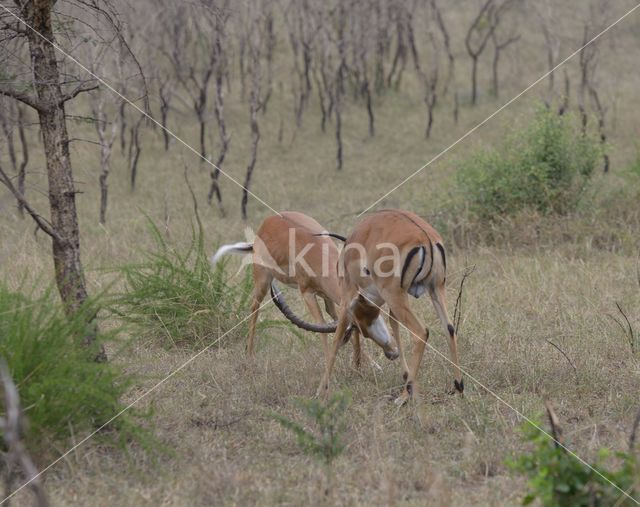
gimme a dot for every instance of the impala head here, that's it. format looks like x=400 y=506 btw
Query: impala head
x=371 y=324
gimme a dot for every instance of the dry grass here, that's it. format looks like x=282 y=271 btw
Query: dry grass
x=537 y=279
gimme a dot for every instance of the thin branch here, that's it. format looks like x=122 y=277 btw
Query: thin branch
x=40 y=221
x=25 y=98
x=76 y=91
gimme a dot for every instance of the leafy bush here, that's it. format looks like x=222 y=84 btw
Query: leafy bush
x=557 y=478
x=63 y=391
x=178 y=295
x=546 y=168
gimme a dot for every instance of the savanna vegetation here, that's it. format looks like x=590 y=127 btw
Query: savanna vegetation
x=111 y=208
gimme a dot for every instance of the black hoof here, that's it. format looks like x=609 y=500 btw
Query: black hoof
x=459 y=386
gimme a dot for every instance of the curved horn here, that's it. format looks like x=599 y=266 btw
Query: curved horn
x=276 y=296
x=332 y=235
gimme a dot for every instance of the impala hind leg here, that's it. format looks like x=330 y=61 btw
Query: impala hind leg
x=311 y=302
x=261 y=280
x=419 y=336
x=439 y=303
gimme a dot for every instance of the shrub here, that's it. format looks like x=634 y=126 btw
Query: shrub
x=557 y=478
x=546 y=167
x=178 y=296
x=63 y=391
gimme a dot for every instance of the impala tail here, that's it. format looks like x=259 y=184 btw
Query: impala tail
x=237 y=248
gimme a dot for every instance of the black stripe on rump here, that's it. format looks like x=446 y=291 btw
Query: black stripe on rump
x=408 y=260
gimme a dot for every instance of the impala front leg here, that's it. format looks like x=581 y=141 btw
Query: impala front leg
x=343 y=323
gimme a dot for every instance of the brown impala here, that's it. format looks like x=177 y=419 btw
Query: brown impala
x=390 y=255
x=294 y=249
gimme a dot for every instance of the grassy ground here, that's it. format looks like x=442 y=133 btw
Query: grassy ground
x=537 y=279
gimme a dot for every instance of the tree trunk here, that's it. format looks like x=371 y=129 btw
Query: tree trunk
x=474 y=80
x=62 y=193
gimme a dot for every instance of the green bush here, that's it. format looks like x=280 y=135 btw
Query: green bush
x=557 y=478
x=177 y=296
x=63 y=391
x=546 y=168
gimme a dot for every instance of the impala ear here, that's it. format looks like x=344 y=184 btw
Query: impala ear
x=278 y=299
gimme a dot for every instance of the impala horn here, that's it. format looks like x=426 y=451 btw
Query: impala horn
x=278 y=299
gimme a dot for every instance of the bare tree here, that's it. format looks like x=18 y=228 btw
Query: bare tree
x=446 y=40
x=428 y=73
x=188 y=46
x=588 y=86
x=48 y=102
x=12 y=115
x=398 y=12
x=476 y=40
x=221 y=63
x=107 y=130
x=166 y=92
x=546 y=17
x=256 y=39
x=500 y=43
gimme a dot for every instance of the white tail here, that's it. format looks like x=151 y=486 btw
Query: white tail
x=241 y=248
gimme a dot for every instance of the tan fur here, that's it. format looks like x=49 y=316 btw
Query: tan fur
x=273 y=245
x=406 y=231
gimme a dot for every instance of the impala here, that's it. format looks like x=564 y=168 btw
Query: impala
x=293 y=249
x=390 y=255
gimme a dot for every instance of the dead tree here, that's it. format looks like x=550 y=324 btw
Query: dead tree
x=446 y=40
x=189 y=48
x=500 y=43
x=427 y=76
x=255 y=38
x=338 y=86
x=107 y=131
x=382 y=42
x=552 y=41
x=478 y=35
x=362 y=39
x=12 y=426
x=221 y=63
x=588 y=87
x=12 y=116
x=398 y=11
x=48 y=100
x=298 y=19
x=135 y=149
x=166 y=92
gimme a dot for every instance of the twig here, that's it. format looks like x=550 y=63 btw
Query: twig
x=632 y=340
x=457 y=312
x=575 y=370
